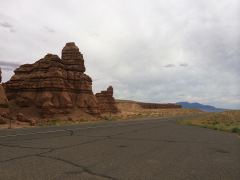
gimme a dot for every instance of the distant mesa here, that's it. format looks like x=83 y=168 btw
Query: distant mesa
x=159 y=106
x=145 y=105
x=56 y=85
x=202 y=107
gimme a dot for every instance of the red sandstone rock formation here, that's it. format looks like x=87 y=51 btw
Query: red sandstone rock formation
x=106 y=101
x=0 y=75
x=54 y=85
x=3 y=98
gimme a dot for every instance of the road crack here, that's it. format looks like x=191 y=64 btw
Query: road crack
x=26 y=156
x=22 y=147
x=84 y=168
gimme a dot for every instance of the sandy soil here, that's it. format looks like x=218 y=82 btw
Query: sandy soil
x=127 y=110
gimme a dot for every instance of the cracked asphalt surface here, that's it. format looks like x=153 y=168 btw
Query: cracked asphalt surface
x=146 y=149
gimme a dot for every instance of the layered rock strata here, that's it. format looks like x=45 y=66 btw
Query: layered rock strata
x=106 y=101
x=55 y=85
x=3 y=98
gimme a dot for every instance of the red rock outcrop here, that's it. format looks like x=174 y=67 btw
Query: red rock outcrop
x=0 y=75
x=54 y=85
x=3 y=98
x=106 y=101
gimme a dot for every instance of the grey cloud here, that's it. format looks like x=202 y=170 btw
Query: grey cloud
x=183 y=65
x=9 y=65
x=12 y=30
x=48 y=29
x=169 y=66
x=6 y=25
x=173 y=65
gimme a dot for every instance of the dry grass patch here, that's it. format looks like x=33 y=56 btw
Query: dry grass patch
x=225 y=121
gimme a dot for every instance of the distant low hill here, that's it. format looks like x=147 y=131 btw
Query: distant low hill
x=149 y=105
x=199 y=106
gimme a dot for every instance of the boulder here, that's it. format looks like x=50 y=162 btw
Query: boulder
x=20 y=117
x=32 y=122
x=23 y=118
x=3 y=120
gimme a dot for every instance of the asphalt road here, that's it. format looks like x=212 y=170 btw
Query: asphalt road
x=132 y=150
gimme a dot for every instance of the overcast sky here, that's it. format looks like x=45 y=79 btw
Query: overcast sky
x=149 y=50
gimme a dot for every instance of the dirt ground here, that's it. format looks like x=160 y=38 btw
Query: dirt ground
x=127 y=110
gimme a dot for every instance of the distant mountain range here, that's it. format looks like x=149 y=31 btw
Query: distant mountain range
x=199 y=106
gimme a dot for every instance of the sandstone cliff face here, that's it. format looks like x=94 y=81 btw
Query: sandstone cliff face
x=3 y=98
x=106 y=101
x=54 y=85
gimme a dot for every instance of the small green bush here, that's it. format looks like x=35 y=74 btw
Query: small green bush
x=236 y=130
